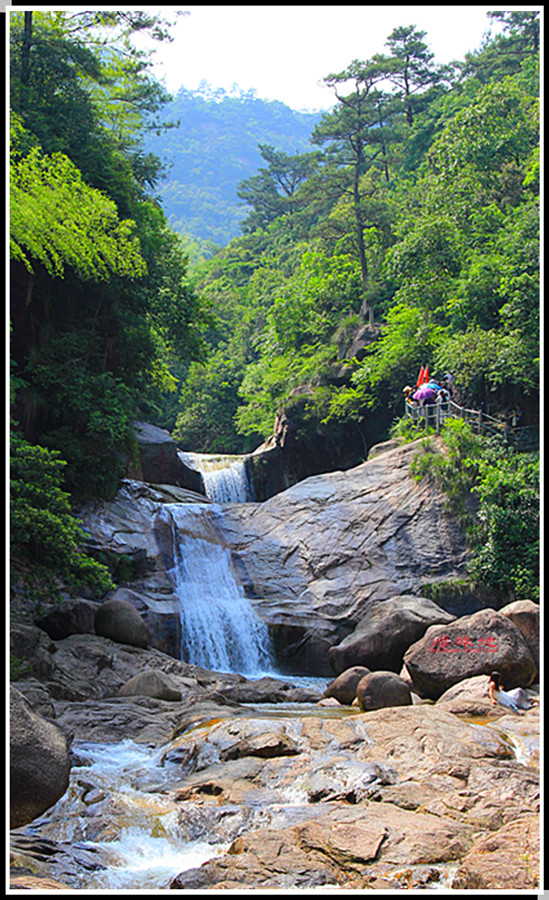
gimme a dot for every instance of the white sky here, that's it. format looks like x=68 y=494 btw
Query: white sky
x=284 y=52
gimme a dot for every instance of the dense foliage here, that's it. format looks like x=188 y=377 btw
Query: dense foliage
x=418 y=215
x=100 y=304
x=504 y=487
x=45 y=536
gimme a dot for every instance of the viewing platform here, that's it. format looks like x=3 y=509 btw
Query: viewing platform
x=434 y=414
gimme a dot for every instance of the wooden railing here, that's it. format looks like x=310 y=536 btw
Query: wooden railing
x=434 y=414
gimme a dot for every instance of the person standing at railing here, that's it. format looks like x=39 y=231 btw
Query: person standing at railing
x=516 y=415
x=443 y=401
x=447 y=382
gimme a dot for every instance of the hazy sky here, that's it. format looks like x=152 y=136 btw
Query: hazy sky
x=284 y=52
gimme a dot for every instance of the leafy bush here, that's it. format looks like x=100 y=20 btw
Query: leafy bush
x=504 y=487
x=45 y=537
x=506 y=533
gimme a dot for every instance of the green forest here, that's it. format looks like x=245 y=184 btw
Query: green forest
x=412 y=216
x=213 y=146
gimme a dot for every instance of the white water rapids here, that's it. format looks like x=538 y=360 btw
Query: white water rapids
x=140 y=844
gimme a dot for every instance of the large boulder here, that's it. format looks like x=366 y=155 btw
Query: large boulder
x=39 y=762
x=343 y=688
x=386 y=631
x=74 y=615
x=121 y=622
x=160 y=610
x=159 y=462
x=151 y=683
x=469 y=646
x=471 y=698
x=30 y=651
x=380 y=689
x=526 y=616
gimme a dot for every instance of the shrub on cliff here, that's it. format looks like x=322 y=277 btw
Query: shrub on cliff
x=45 y=537
x=495 y=490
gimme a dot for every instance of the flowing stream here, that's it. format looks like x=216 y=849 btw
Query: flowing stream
x=116 y=827
x=135 y=842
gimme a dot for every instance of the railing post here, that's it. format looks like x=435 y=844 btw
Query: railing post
x=479 y=421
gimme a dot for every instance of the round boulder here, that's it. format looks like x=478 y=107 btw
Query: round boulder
x=120 y=621
x=470 y=698
x=471 y=645
x=380 y=689
x=386 y=631
x=343 y=688
x=74 y=615
x=39 y=762
x=525 y=615
x=150 y=683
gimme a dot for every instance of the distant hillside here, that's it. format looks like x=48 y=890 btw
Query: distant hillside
x=213 y=149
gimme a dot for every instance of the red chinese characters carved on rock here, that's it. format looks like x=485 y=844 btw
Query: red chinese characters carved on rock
x=463 y=644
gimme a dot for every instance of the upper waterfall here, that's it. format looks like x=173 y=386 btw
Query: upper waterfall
x=225 y=477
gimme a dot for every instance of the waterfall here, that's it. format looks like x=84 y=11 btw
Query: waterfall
x=225 y=477
x=220 y=630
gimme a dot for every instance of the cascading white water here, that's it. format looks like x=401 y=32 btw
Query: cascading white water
x=220 y=630
x=225 y=477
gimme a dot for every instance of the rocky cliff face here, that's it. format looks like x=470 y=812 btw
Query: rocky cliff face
x=301 y=446
x=316 y=556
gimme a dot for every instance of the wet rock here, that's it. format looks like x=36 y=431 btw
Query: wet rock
x=267 y=746
x=342 y=847
x=120 y=621
x=386 y=631
x=62 y=862
x=469 y=646
x=505 y=860
x=349 y=781
x=343 y=688
x=381 y=689
x=140 y=719
x=269 y=690
x=151 y=683
x=159 y=462
x=39 y=762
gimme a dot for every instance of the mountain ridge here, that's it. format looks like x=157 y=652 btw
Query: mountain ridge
x=213 y=148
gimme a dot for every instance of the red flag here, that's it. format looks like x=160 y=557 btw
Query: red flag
x=421 y=376
x=426 y=375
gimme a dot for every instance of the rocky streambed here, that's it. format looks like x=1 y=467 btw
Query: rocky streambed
x=132 y=769
x=209 y=792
